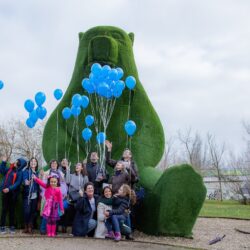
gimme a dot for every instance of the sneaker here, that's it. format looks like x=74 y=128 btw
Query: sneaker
x=12 y=230
x=129 y=237
x=117 y=236
x=110 y=235
x=2 y=230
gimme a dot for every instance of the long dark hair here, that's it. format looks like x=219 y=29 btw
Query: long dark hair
x=33 y=158
x=53 y=176
x=84 y=169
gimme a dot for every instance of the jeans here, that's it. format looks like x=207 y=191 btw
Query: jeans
x=43 y=225
x=8 y=206
x=114 y=222
x=30 y=210
x=91 y=225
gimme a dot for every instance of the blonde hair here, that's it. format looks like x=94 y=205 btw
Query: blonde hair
x=127 y=191
x=120 y=163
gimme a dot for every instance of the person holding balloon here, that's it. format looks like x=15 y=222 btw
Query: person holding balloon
x=30 y=195
x=96 y=174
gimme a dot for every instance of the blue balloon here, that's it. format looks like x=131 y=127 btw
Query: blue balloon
x=113 y=74
x=58 y=94
x=76 y=111
x=85 y=101
x=130 y=82
x=96 y=69
x=30 y=123
x=66 y=113
x=130 y=127
x=117 y=93
x=88 y=86
x=29 y=105
x=120 y=73
x=89 y=120
x=103 y=89
x=101 y=137
x=77 y=100
x=40 y=98
x=33 y=116
x=86 y=134
x=41 y=112
x=1 y=84
x=119 y=86
x=105 y=70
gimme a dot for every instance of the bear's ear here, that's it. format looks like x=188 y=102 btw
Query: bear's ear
x=132 y=37
x=81 y=34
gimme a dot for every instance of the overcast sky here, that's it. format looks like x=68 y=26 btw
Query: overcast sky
x=193 y=57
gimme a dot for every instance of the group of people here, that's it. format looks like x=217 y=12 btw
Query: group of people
x=89 y=200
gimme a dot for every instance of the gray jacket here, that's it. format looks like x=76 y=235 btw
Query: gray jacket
x=75 y=182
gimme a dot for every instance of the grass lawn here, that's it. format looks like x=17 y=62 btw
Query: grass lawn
x=227 y=209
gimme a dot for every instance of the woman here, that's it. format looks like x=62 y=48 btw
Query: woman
x=86 y=207
x=104 y=204
x=30 y=195
x=76 y=183
x=128 y=162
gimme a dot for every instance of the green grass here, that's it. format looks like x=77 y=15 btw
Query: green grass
x=226 y=209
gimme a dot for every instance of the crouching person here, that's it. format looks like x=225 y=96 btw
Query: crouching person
x=86 y=212
x=119 y=215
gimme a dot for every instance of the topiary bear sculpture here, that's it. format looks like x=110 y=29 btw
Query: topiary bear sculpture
x=175 y=197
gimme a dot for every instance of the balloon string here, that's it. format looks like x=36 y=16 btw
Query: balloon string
x=65 y=143
x=77 y=137
x=72 y=133
x=57 y=129
x=129 y=101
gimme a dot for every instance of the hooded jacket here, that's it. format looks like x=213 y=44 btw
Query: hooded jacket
x=12 y=175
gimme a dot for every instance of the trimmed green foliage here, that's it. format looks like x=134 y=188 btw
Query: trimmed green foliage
x=175 y=202
x=225 y=209
x=113 y=46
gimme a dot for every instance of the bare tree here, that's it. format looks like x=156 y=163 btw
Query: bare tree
x=215 y=158
x=7 y=139
x=17 y=140
x=195 y=149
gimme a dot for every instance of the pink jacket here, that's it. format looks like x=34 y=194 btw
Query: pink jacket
x=50 y=191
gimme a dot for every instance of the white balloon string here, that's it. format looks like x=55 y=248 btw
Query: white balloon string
x=57 y=129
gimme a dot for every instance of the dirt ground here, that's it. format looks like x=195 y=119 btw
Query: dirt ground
x=204 y=230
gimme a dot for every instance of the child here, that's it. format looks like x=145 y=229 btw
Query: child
x=10 y=189
x=30 y=195
x=119 y=213
x=120 y=177
x=53 y=207
x=104 y=204
x=53 y=170
x=128 y=162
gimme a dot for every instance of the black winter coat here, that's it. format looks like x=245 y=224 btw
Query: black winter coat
x=82 y=217
x=119 y=205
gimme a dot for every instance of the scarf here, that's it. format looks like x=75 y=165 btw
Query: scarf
x=106 y=201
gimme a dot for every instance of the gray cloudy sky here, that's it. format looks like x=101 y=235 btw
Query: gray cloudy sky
x=193 y=57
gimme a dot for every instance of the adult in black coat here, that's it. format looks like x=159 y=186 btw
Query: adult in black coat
x=85 y=220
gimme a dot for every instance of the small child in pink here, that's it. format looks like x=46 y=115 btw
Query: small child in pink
x=53 y=207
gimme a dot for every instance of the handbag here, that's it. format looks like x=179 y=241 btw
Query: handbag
x=74 y=196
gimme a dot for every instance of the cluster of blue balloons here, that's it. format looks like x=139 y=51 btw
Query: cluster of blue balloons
x=78 y=102
x=106 y=81
x=34 y=114
x=130 y=127
x=1 y=84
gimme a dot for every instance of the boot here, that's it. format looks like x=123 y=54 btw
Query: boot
x=48 y=227
x=110 y=235
x=30 y=228
x=25 y=231
x=117 y=236
x=53 y=230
